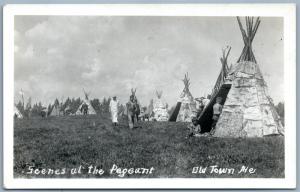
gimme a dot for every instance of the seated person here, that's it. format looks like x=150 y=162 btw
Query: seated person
x=194 y=128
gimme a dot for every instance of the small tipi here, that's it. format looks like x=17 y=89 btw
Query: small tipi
x=160 y=108
x=55 y=109
x=248 y=110
x=91 y=110
x=185 y=108
x=17 y=113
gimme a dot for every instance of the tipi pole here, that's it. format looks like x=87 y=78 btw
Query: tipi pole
x=248 y=36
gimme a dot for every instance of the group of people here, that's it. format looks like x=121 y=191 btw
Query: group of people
x=194 y=129
x=133 y=111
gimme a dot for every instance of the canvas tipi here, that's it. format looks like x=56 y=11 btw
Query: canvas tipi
x=160 y=109
x=17 y=113
x=185 y=109
x=91 y=110
x=248 y=110
x=55 y=109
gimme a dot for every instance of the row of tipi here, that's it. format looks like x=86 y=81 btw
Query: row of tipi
x=90 y=109
x=248 y=110
x=56 y=109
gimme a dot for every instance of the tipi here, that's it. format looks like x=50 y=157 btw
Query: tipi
x=160 y=109
x=17 y=113
x=185 y=109
x=55 y=109
x=248 y=110
x=91 y=110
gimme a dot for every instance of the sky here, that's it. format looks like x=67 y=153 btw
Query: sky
x=59 y=56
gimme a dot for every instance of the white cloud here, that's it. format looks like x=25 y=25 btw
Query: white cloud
x=57 y=56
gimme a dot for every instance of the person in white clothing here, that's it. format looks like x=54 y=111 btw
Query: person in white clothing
x=114 y=110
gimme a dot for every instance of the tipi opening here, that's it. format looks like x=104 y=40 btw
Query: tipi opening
x=220 y=89
x=205 y=119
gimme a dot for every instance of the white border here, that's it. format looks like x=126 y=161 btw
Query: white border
x=287 y=11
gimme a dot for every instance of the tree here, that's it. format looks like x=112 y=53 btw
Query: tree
x=65 y=107
x=37 y=109
x=105 y=105
x=96 y=105
x=75 y=103
x=121 y=109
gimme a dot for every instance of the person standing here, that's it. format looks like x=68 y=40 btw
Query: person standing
x=84 y=109
x=130 y=111
x=217 y=110
x=114 y=110
x=137 y=110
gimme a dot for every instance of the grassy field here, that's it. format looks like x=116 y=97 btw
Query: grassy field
x=58 y=143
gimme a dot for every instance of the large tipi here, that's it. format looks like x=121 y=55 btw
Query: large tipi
x=185 y=109
x=91 y=110
x=248 y=110
x=160 y=108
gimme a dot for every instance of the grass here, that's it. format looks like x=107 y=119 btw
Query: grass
x=68 y=142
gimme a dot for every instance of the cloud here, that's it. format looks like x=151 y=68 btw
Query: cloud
x=57 y=56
